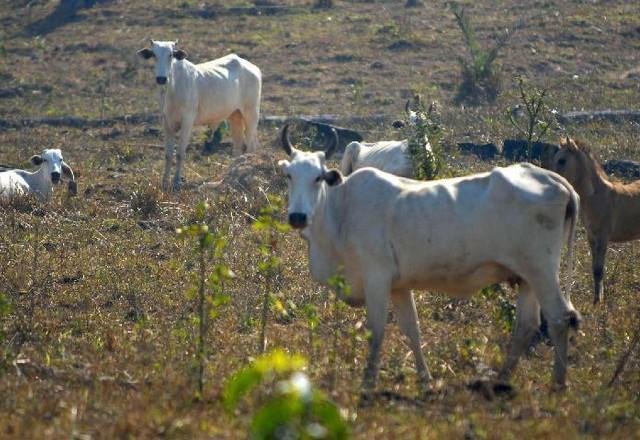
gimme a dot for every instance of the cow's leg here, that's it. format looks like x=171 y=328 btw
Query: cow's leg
x=183 y=142
x=236 y=121
x=405 y=308
x=527 y=322
x=560 y=315
x=598 y=254
x=377 y=298
x=251 y=117
x=169 y=140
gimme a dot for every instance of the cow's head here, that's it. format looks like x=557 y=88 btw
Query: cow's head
x=54 y=164
x=572 y=163
x=307 y=178
x=164 y=52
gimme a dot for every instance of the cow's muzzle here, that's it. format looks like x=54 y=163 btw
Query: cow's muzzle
x=55 y=177
x=298 y=220
x=162 y=80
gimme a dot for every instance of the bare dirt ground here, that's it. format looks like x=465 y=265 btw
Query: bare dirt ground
x=98 y=337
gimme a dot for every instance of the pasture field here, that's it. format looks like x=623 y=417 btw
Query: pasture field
x=97 y=330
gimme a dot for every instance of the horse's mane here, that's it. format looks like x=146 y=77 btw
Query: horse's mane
x=586 y=149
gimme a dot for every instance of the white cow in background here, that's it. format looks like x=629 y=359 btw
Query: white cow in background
x=39 y=183
x=389 y=156
x=228 y=88
x=387 y=235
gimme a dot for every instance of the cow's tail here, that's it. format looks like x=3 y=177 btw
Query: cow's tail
x=571 y=220
x=348 y=158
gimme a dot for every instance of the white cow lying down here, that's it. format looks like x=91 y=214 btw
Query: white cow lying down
x=39 y=183
x=205 y=94
x=388 y=234
x=389 y=156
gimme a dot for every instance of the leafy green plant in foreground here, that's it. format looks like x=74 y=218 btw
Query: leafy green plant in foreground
x=293 y=408
x=208 y=290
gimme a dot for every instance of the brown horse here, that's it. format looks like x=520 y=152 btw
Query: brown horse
x=610 y=210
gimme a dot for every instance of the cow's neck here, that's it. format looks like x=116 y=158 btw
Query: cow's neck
x=321 y=235
x=39 y=182
x=181 y=71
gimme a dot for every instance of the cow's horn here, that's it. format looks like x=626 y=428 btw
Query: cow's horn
x=332 y=144
x=286 y=142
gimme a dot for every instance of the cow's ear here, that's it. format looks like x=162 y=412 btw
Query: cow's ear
x=179 y=54
x=67 y=171
x=146 y=53
x=333 y=177
x=284 y=165
x=36 y=159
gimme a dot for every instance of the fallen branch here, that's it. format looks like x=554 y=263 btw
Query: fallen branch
x=32 y=370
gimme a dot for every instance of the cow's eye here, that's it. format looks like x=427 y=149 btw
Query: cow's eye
x=562 y=162
x=289 y=176
x=318 y=179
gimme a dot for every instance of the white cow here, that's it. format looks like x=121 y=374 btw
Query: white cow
x=208 y=93
x=39 y=183
x=390 y=156
x=388 y=234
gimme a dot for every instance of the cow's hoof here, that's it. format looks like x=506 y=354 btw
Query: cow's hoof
x=558 y=387
x=367 y=397
x=490 y=389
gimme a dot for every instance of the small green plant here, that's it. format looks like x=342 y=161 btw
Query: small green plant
x=212 y=139
x=481 y=77
x=35 y=240
x=357 y=91
x=310 y=312
x=145 y=202
x=339 y=288
x=5 y=311
x=293 y=408
x=538 y=117
x=505 y=314
x=209 y=291
x=269 y=229
x=428 y=162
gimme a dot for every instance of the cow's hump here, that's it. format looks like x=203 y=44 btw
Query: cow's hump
x=525 y=182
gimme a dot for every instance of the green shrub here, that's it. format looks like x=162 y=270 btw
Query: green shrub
x=428 y=163
x=481 y=78
x=538 y=117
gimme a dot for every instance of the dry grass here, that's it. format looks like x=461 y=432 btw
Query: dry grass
x=100 y=341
